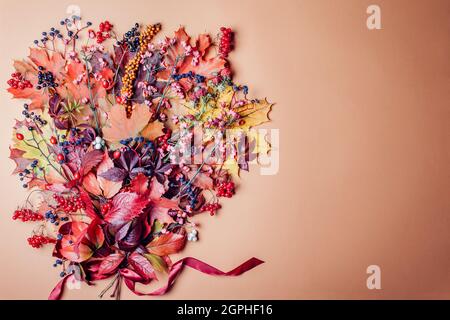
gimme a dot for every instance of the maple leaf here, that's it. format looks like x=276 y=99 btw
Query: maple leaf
x=54 y=63
x=153 y=130
x=207 y=66
x=21 y=162
x=253 y=114
x=76 y=83
x=120 y=127
x=125 y=207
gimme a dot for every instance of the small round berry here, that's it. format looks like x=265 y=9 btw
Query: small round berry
x=60 y=157
x=19 y=136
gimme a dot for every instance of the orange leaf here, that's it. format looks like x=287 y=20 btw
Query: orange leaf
x=167 y=244
x=120 y=127
x=153 y=130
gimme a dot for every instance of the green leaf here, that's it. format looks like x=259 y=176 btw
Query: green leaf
x=157 y=226
x=157 y=262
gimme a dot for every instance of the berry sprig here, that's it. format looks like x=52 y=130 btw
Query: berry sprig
x=17 y=81
x=131 y=39
x=189 y=75
x=27 y=215
x=226 y=42
x=133 y=65
x=37 y=241
x=211 y=207
x=69 y=204
x=225 y=189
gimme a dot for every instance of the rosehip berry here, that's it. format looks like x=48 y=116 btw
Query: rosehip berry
x=116 y=154
x=60 y=157
x=19 y=136
x=53 y=140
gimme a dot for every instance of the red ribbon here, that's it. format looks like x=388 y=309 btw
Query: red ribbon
x=131 y=277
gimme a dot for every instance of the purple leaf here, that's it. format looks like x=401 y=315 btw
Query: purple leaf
x=114 y=174
x=90 y=160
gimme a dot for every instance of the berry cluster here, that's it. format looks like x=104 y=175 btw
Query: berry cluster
x=38 y=241
x=131 y=39
x=189 y=75
x=53 y=217
x=104 y=208
x=18 y=82
x=225 y=189
x=211 y=207
x=104 y=32
x=45 y=79
x=226 y=42
x=27 y=215
x=69 y=204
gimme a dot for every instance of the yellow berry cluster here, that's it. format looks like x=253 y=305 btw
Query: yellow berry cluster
x=133 y=65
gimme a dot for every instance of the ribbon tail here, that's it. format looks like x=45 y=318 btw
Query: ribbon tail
x=196 y=264
x=58 y=290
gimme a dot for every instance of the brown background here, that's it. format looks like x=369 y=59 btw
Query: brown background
x=364 y=124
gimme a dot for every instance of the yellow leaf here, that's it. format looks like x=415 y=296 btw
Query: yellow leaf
x=232 y=167
x=254 y=114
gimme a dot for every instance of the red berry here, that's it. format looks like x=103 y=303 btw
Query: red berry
x=116 y=154
x=60 y=157
x=53 y=140
x=19 y=136
x=105 y=84
x=76 y=176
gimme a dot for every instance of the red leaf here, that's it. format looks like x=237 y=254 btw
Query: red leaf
x=86 y=199
x=90 y=160
x=142 y=266
x=110 y=263
x=167 y=244
x=125 y=207
x=110 y=188
x=139 y=184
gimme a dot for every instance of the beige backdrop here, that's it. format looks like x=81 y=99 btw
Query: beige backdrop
x=364 y=124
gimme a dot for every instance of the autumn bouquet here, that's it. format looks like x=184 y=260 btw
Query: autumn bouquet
x=123 y=140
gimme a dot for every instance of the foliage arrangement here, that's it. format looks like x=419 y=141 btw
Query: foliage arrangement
x=105 y=121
